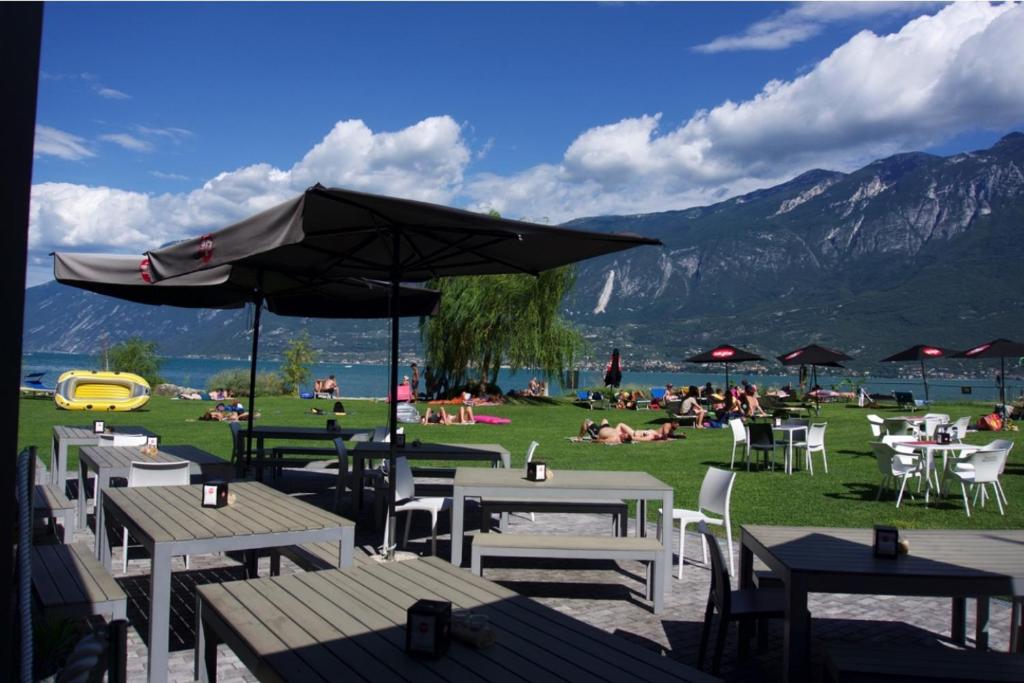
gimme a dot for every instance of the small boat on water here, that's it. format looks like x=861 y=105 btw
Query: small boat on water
x=100 y=390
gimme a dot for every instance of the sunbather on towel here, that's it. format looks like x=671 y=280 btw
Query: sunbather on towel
x=623 y=433
x=441 y=416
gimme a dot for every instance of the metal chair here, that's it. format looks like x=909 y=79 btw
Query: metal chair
x=760 y=437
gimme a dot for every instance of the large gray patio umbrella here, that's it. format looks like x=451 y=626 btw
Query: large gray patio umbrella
x=997 y=348
x=330 y=232
x=128 y=277
x=724 y=353
x=815 y=356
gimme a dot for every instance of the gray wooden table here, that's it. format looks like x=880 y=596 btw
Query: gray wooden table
x=65 y=436
x=260 y=433
x=475 y=482
x=350 y=625
x=948 y=563
x=116 y=461
x=368 y=450
x=169 y=521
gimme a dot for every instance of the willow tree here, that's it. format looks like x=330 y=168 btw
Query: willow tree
x=486 y=321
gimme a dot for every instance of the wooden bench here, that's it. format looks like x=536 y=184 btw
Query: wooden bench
x=640 y=548
x=50 y=503
x=856 y=663
x=314 y=557
x=616 y=508
x=70 y=582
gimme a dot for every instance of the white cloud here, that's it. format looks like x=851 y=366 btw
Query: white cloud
x=128 y=142
x=112 y=93
x=58 y=143
x=873 y=96
x=168 y=176
x=175 y=135
x=424 y=161
x=802 y=22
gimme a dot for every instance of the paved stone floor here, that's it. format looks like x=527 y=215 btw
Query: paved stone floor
x=605 y=594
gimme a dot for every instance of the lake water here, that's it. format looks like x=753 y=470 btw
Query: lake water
x=371 y=380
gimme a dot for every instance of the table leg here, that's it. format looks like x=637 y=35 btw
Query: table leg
x=346 y=549
x=102 y=549
x=358 y=471
x=981 y=624
x=206 y=648
x=663 y=579
x=958 y=621
x=102 y=482
x=746 y=626
x=641 y=518
x=458 y=515
x=252 y=564
x=159 y=612
x=797 y=631
x=83 y=479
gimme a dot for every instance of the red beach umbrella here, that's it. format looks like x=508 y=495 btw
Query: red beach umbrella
x=725 y=353
x=921 y=353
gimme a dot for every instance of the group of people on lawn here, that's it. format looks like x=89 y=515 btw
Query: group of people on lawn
x=710 y=406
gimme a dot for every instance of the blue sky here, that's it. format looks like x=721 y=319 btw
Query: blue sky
x=160 y=120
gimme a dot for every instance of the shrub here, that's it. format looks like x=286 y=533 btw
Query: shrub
x=137 y=356
x=236 y=380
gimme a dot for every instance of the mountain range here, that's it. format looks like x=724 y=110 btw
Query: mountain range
x=913 y=248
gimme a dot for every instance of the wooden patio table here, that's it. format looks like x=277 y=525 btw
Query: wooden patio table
x=478 y=482
x=65 y=436
x=116 y=461
x=948 y=563
x=457 y=452
x=169 y=521
x=338 y=625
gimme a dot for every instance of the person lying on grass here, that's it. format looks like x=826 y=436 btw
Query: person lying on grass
x=623 y=433
x=441 y=416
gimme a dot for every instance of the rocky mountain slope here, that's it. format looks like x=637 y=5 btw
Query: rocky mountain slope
x=912 y=248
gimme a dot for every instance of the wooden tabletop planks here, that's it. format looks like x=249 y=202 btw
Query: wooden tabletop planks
x=562 y=479
x=351 y=624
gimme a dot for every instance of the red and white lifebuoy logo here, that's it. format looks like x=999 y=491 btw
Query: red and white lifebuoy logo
x=794 y=354
x=931 y=351
x=723 y=353
x=144 y=270
x=205 y=248
x=977 y=349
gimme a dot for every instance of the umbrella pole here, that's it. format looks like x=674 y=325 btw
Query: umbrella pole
x=726 y=378
x=396 y=274
x=252 y=380
x=924 y=378
x=817 y=393
x=1002 y=387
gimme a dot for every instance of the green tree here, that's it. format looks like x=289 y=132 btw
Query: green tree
x=298 y=356
x=489 y=320
x=136 y=355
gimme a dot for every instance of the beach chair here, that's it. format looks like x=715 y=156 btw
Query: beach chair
x=905 y=401
x=584 y=398
x=658 y=394
x=33 y=386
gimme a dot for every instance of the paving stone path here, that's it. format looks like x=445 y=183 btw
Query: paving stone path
x=606 y=594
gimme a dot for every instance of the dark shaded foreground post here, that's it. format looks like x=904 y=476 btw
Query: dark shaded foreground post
x=21 y=27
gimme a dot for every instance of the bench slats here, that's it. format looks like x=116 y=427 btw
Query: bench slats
x=69 y=578
x=559 y=542
x=848 y=662
x=49 y=497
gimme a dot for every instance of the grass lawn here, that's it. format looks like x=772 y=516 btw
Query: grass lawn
x=843 y=497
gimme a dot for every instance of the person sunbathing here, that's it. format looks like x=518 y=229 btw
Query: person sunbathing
x=441 y=417
x=753 y=405
x=623 y=433
x=691 y=406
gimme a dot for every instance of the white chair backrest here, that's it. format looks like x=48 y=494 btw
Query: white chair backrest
x=123 y=440
x=883 y=455
x=942 y=417
x=987 y=465
x=739 y=432
x=529 y=452
x=816 y=435
x=405 y=486
x=891 y=439
x=958 y=429
x=159 y=473
x=379 y=434
x=716 y=490
x=876 y=422
x=931 y=424
x=998 y=445
x=897 y=426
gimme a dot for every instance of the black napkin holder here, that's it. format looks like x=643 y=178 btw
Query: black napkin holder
x=428 y=628
x=944 y=437
x=98 y=426
x=215 y=494
x=400 y=440
x=536 y=470
x=887 y=541
x=332 y=425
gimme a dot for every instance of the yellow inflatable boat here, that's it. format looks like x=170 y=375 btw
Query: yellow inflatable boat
x=98 y=390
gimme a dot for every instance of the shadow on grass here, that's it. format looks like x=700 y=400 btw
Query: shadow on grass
x=856 y=454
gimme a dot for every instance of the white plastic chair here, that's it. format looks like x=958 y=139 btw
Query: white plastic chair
x=715 y=495
x=995 y=445
x=897 y=426
x=739 y=436
x=933 y=421
x=123 y=440
x=984 y=468
x=877 y=425
x=815 y=444
x=407 y=501
x=894 y=465
x=958 y=429
x=155 y=474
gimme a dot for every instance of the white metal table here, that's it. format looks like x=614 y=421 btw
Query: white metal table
x=169 y=521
